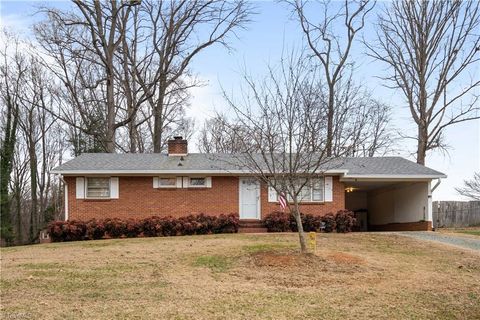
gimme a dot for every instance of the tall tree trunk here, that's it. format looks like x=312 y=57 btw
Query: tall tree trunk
x=422 y=144
x=158 y=122
x=110 y=134
x=33 y=192
x=6 y=159
x=330 y=115
x=18 y=200
x=301 y=233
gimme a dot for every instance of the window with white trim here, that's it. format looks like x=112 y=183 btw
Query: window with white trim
x=197 y=182
x=98 y=187
x=170 y=182
x=313 y=191
x=318 y=192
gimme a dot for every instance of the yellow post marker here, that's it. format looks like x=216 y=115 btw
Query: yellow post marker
x=312 y=241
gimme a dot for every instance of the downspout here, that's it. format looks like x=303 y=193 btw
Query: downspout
x=65 y=190
x=430 y=195
x=436 y=185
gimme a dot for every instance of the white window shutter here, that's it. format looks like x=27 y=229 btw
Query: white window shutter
x=155 y=182
x=272 y=195
x=114 y=188
x=208 y=182
x=80 y=188
x=186 y=182
x=328 y=189
x=179 y=182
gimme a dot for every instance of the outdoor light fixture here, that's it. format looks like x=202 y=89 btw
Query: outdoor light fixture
x=349 y=189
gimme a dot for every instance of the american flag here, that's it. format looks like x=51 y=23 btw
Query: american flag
x=282 y=201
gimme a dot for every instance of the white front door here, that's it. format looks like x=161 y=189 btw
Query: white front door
x=249 y=198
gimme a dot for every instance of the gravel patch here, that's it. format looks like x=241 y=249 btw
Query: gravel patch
x=458 y=241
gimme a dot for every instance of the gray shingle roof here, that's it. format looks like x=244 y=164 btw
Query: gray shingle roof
x=198 y=162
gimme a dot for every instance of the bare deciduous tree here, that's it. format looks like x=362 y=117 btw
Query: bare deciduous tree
x=36 y=124
x=32 y=139
x=361 y=124
x=433 y=50
x=13 y=69
x=281 y=112
x=177 y=31
x=126 y=64
x=471 y=188
x=330 y=39
x=220 y=136
x=83 y=45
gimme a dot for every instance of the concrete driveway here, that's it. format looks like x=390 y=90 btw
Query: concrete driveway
x=451 y=239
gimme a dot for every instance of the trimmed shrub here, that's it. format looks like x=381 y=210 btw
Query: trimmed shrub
x=204 y=224
x=95 y=229
x=67 y=230
x=311 y=223
x=169 y=226
x=329 y=222
x=226 y=223
x=133 y=228
x=345 y=220
x=186 y=225
x=342 y=222
x=115 y=228
x=278 y=221
x=150 y=227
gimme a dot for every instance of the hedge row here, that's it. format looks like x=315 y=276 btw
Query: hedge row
x=343 y=221
x=150 y=227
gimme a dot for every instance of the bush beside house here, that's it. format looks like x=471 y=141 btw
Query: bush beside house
x=150 y=227
x=343 y=221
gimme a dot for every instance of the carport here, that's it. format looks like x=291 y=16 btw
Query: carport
x=389 y=193
x=382 y=204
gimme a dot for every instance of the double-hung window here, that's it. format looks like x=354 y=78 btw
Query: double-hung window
x=98 y=187
x=318 y=190
x=312 y=191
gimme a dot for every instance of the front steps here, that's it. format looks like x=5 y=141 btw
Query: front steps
x=251 y=226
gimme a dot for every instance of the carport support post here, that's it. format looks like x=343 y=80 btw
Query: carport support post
x=429 y=204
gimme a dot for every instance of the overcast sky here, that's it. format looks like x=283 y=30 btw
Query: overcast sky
x=270 y=32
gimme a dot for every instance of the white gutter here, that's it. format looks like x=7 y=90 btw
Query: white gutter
x=390 y=176
x=343 y=172
x=65 y=190
x=150 y=172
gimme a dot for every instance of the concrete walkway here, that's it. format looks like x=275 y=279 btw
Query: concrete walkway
x=459 y=241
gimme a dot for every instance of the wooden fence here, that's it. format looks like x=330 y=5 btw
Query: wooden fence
x=455 y=214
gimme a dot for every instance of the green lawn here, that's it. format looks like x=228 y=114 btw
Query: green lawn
x=350 y=276
x=473 y=231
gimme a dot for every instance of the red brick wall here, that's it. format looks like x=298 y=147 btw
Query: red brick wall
x=138 y=199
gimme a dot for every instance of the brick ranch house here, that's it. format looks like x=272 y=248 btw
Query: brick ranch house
x=391 y=193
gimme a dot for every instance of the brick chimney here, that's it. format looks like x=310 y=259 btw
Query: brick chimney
x=177 y=146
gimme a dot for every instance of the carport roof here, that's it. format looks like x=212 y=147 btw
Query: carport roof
x=201 y=163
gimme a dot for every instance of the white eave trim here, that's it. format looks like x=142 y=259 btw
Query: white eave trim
x=342 y=172
x=177 y=172
x=391 y=177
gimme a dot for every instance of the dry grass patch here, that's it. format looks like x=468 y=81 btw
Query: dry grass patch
x=351 y=276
